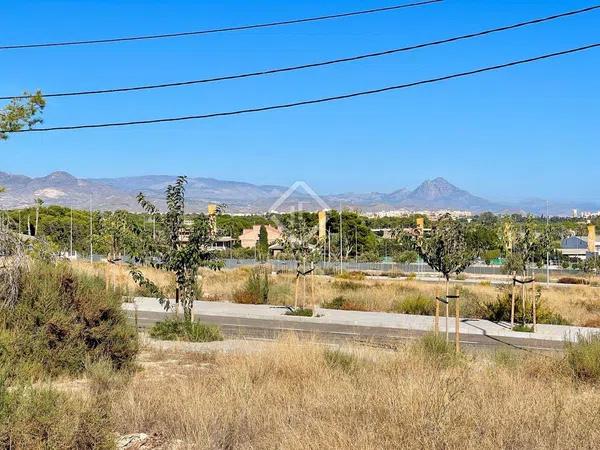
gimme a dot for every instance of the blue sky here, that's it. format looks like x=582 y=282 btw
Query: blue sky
x=530 y=131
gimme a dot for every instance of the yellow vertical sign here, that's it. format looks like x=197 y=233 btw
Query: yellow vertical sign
x=322 y=225
x=591 y=238
x=421 y=224
x=212 y=217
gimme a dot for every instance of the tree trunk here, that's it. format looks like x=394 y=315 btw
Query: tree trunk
x=37 y=218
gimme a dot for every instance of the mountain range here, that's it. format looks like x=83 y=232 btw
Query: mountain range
x=62 y=188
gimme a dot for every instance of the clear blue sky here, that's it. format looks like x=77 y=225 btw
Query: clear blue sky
x=524 y=132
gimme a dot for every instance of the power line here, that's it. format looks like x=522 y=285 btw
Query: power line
x=313 y=101
x=218 y=30
x=317 y=64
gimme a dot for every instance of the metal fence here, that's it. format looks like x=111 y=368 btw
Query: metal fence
x=394 y=268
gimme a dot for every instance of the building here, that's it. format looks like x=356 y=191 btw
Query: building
x=249 y=237
x=224 y=243
x=581 y=247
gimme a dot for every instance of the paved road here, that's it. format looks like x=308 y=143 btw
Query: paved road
x=242 y=327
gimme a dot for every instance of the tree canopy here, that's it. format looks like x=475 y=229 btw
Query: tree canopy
x=21 y=113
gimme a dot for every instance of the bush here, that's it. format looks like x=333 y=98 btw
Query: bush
x=335 y=303
x=583 y=357
x=416 y=304
x=344 y=285
x=43 y=418
x=437 y=349
x=341 y=302
x=256 y=289
x=63 y=321
x=303 y=312
x=572 y=280
x=180 y=330
x=499 y=311
x=354 y=275
x=338 y=360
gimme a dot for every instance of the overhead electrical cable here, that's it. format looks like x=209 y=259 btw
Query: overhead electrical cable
x=312 y=101
x=316 y=64
x=218 y=30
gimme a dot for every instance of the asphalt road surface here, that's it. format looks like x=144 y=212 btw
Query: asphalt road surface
x=241 y=327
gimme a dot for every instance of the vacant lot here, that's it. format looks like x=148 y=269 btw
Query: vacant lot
x=576 y=305
x=297 y=394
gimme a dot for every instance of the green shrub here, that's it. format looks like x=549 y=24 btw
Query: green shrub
x=338 y=360
x=414 y=304
x=407 y=256
x=499 y=310
x=523 y=328
x=437 y=349
x=353 y=275
x=44 y=418
x=303 y=312
x=61 y=322
x=346 y=285
x=583 y=357
x=341 y=302
x=256 y=289
x=335 y=303
x=180 y=330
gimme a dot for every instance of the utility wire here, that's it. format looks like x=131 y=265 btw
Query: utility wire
x=218 y=30
x=313 y=101
x=317 y=64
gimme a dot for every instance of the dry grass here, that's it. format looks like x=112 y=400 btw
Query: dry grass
x=579 y=305
x=300 y=395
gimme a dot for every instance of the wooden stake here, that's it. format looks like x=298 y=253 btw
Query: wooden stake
x=447 y=312
x=512 y=303
x=457 y=325
x=436 y=322
x=296 y=292
x=524 y=295
x=533 y=300
x=312 y=287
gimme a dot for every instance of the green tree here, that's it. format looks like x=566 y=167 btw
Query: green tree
x=115 y=229
x=178 y=246
x=21 y=114
x=406 y=257
x=263 y=243
x=446 y=248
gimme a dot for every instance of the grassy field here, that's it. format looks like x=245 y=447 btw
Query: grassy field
x=301 y=395
x=576 y=304
x=290 y=393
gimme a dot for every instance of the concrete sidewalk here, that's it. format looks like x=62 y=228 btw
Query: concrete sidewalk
x=367 y=319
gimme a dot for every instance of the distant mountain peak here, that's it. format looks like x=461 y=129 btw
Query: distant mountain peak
x=62 y=188
x=435 y=189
